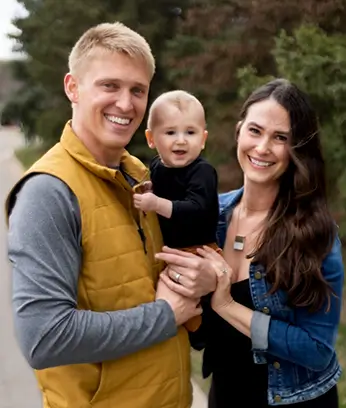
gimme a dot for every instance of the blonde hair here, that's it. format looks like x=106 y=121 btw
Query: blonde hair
x=113 y=37
x=178 y=98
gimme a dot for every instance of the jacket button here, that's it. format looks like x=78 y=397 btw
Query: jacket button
x=258 y=275
x=276 y=365
x=266 y=310
x=277 y=398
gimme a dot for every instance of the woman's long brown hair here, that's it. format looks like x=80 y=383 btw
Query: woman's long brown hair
x=300 y=229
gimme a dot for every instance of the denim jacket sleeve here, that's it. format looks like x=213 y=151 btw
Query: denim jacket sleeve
x=310 y=341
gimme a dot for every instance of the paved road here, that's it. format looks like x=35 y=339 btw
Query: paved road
x=199 y=398
x=17 y=383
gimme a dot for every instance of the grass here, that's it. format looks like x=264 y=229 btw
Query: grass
x=196 y=367
x=29 y=154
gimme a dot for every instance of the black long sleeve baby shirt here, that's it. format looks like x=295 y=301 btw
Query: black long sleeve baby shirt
x=193 y=192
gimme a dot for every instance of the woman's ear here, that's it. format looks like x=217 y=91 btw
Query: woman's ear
x=150 y=139
x=237 y=130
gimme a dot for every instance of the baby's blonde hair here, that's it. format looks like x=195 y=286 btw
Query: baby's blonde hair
x=178 y=98
x=113 y=37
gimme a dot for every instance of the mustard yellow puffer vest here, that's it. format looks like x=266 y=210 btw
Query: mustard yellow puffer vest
x=117 y=273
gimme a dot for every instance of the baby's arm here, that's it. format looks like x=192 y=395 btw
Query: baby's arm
x=151 y=202
x=200 y=197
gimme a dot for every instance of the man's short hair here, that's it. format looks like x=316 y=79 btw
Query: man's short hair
x=113 y=37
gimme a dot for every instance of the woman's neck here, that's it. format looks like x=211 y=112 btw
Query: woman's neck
x=258 y=198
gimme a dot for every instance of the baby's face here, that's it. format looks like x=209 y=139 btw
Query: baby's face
x=180 y=136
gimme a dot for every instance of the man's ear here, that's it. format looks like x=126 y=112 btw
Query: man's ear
x=205 y=137
x=150 y=139
x=71 y=88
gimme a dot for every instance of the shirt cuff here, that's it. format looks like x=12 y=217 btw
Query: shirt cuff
x=259 y=331
x=170 y=329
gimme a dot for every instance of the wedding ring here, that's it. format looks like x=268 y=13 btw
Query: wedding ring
x=177 y=277
x=224 y=270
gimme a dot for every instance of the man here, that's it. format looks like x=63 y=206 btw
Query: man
x=89 y=314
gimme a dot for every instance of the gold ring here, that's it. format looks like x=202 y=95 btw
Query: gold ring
x=177 y=277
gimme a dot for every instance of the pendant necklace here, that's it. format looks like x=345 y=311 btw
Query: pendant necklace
x=239 y=240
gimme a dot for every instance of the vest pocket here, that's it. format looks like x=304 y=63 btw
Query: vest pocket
x=99 y=388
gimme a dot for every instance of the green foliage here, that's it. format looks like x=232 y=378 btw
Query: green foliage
x=249 y=80
x=316 y=62
x=25 y=105
x=29 y=154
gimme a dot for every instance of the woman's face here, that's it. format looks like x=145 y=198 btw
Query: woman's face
x=263 y=142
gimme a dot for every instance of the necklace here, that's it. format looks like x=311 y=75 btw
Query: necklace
x=239 y=240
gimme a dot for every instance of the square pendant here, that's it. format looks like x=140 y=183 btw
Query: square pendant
x=239 y=243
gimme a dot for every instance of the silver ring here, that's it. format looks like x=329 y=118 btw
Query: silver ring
x=224 y=270
x=177 y=277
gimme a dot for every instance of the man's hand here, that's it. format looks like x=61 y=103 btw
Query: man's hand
x=146 y=202
x=183 y=308
x=188 y=274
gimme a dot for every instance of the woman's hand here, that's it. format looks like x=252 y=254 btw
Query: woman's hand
x=222 y=294
x=187 y=274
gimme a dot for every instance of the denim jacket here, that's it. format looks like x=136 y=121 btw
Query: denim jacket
x=298 y=346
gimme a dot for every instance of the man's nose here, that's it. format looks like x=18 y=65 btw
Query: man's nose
x=124 y=101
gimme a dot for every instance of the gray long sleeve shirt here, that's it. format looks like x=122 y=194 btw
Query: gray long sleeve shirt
x=44 y=247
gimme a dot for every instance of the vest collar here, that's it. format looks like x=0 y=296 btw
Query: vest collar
x=129 y=164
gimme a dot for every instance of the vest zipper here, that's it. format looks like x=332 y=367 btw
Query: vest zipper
x=123 y=182
x=143 y=237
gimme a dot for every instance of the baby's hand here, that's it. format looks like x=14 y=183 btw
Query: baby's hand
x=145 y=187
x=145 y=202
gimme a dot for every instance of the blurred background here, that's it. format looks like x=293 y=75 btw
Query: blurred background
x=219 y=50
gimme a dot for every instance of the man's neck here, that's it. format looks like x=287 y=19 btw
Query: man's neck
x=105 y=156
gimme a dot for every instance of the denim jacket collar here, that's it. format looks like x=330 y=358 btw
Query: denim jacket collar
x=227 y=203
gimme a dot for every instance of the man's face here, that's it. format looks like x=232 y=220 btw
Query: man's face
x=109 y=97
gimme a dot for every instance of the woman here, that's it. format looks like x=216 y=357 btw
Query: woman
x=269 y=329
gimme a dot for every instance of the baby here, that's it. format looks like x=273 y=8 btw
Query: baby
x=184 y=185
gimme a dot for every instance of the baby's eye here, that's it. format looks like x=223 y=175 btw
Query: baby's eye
x=170 y=132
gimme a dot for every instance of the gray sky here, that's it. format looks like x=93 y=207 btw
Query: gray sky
x=8 y=10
